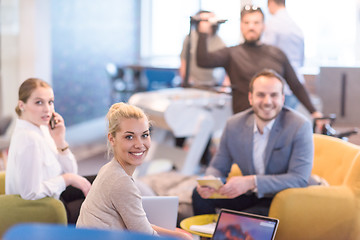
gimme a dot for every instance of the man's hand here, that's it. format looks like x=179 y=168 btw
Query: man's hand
x=319 y=123
x=237 y=186
x=205 y=27
x=205 y=192
x=317 y=114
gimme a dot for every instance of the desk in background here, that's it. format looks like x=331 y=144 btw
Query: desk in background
x=144 y=76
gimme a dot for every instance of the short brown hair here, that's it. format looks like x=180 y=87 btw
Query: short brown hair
x=266 y=73
x=27 y=88
x=279 y=2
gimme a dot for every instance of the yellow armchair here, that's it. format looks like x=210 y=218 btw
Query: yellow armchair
x=2 y=182
x=323 y=212
x=14 y=209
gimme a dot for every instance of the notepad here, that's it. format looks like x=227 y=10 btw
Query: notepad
x=206 y=228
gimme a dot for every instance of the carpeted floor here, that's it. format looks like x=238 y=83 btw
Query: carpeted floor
x=91 y=157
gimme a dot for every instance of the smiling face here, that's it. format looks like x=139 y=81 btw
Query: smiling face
x=39 y=106
x=252 y=26
x=131 y=143
x=266 y=98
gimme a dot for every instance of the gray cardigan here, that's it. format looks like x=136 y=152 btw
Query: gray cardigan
x=114 y=202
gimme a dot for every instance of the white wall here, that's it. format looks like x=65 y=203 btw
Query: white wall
x=25 y=47
x=358 y=32
x=9 y=55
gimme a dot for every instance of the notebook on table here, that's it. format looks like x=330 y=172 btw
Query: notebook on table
x=161 y=211
x=240 y=225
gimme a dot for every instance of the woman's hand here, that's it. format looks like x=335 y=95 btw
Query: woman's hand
x=183 y=234
x=78 y=182
x=178 y=233
x=58 y=133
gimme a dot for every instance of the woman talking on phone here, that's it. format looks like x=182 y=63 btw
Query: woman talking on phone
x=40 y=163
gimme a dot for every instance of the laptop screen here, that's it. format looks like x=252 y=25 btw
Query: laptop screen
x=240 y=225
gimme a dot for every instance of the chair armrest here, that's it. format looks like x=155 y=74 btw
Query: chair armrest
x=315 y=212
x=2 y=182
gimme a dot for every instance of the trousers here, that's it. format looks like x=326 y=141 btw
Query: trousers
x=72 y=198
x=248 y=202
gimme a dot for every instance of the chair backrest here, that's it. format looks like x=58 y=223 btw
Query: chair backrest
x=159 y=78
x=353 y=178
x=4 y=124
x=16 y=210
x=58 y=232
x=333 y=158
x=2 y=182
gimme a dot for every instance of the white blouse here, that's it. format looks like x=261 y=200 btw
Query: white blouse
x=34 y=164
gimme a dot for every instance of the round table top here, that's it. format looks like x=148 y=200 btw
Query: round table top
x=199 y=220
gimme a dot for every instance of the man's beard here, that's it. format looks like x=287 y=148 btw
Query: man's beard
x=257 y=112
x=252 y=41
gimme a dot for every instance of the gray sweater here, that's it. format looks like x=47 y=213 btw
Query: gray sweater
x=114 y=202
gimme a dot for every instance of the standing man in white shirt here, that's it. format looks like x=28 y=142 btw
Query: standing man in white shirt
x=281 y=31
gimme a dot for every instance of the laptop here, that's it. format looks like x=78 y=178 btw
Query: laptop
x=239 y=225
x=161 y=211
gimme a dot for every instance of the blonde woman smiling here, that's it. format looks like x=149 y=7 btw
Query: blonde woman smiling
x=114 y=201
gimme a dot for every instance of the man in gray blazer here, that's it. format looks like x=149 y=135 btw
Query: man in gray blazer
x=271 y=144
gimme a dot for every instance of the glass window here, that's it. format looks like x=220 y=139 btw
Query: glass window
x=168 y=22
x=330 y=27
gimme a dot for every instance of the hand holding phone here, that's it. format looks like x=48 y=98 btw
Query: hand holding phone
x=52 y=121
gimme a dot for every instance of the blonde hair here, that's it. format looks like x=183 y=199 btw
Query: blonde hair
x=27 y=88
x=118 y=112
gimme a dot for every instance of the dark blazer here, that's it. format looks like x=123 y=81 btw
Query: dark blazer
x=288 y=154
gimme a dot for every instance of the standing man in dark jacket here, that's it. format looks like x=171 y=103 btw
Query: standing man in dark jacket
x=241 y=62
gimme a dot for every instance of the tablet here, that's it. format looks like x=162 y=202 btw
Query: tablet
x=215 y=183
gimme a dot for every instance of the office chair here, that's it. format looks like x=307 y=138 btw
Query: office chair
x=328 y=130
x=159 y=78
x=4 y=140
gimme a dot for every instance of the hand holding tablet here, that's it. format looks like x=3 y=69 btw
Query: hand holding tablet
x=214 y=183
